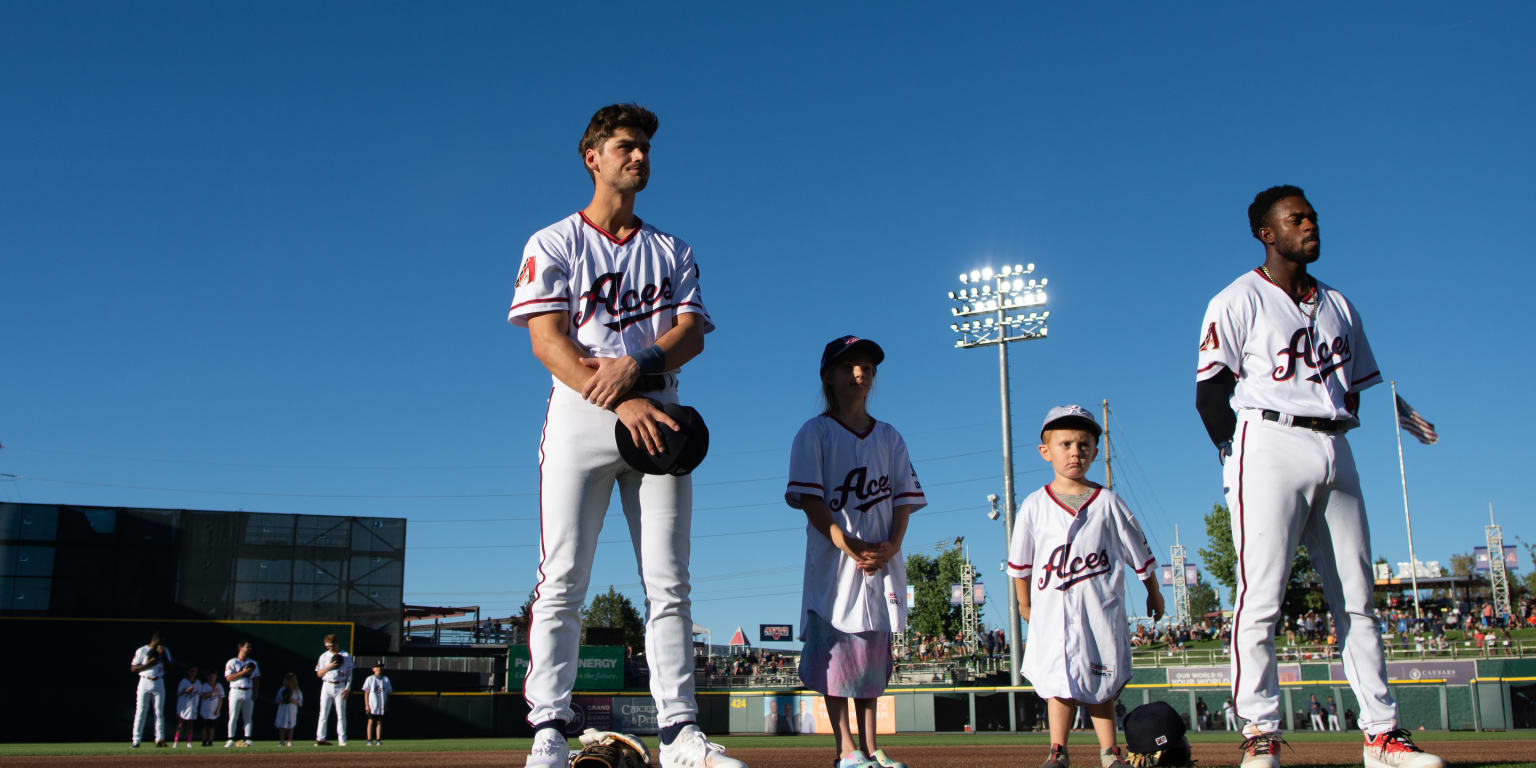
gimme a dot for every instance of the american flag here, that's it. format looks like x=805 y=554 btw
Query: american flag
x=1409 y=419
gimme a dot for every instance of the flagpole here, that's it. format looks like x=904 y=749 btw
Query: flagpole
x=1413 y=562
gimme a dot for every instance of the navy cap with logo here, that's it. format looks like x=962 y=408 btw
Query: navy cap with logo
x=685 y=448
x=844 y=345
x=1154 y=728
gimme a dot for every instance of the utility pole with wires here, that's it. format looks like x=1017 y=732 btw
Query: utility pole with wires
x=1108 y=482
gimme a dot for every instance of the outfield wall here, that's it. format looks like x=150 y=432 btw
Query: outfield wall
x=76 y=685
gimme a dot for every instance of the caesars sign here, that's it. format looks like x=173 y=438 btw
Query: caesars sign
x=599 y=667
x=775 y=633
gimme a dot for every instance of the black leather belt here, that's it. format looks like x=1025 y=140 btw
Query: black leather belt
x=1309 y=422
x=650 y=382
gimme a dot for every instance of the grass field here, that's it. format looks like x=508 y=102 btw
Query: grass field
x=749 y=741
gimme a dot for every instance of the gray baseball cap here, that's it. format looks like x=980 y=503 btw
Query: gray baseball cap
x=1070 y=417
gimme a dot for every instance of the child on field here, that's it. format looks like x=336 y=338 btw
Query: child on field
x=376 y=690
x=1070 y=541
x=187 y=700
x=212 y=694
x=852 y=477
x=289 y=699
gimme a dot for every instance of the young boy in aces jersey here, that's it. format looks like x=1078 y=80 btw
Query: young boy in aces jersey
x=613 y=310
x=1070 y=541
x=1283 y=358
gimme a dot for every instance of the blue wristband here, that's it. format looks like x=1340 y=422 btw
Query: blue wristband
x=652 y=359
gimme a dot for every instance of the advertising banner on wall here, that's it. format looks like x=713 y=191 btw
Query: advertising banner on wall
x=1199 y=676
x=590 y=712
x=775 y=633
x=808 y=714
x=634 y=714
x=598 y=668
x=1452 y=672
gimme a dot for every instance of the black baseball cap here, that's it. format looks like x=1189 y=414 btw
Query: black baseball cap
x=1153 y=727
x=843 y=345
x=685 y=448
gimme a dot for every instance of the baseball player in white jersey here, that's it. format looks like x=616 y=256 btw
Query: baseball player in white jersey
x=376 y=690
x=1072 y=542
x=244 y=677
x=1283 y=359
x=852 y=476
x=613 y=310
x=149 y=664
x=335 y=671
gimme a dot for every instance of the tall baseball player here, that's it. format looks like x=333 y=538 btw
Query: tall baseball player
x=244 y=677
x=149 y=664
x=1072 y=543
x=1283 y=359
x=335 y=670
x=613 y=310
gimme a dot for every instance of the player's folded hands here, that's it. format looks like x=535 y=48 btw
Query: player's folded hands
x=611 y=380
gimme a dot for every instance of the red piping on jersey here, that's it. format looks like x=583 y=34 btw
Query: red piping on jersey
x=1313 y=292
x=866 y=432
x=616 y=241
x=1018 y=567
x=1143 y=568
x=1242 y=573
x=909 y=493
x=1363 y=379
x=565 y=299
x=542 y=434
x=1207 y=368
x=806 y=485
x=1070 y=510
x=702 y=310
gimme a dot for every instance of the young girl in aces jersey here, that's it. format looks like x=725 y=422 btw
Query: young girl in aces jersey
x=852 y=477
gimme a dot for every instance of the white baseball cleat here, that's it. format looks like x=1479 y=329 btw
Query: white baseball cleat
x=1262 y=751
x=692 y=749
x=1395 y=749
x=550 y=750
x=229 y=743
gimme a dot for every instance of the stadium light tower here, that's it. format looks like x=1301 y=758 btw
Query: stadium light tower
x=996 y=308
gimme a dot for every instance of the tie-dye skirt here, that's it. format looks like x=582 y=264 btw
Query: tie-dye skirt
x=844 y=664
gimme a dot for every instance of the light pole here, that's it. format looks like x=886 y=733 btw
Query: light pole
x=994 y=309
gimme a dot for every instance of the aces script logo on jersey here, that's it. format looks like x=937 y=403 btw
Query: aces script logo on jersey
x=1329 y=356
x=868 y=492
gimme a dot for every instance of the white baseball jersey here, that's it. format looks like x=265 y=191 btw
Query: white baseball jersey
x=340 y=675
x=245 y=683
x=187 y=700
x=376 y=690
x=622 y=295
x=210 y=706
x=862 y=478
x=1079 y=646
x=1298 y=360
x=156 y=672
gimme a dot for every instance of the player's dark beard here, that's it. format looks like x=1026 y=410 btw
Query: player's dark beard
x=1299 y=254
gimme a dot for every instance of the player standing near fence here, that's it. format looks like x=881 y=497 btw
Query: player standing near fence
x=1282 y=361
x=1073 y=543
x=244 y=677
x=852 y=477
x=149 y=664
x=614 y=311
x=335 y=669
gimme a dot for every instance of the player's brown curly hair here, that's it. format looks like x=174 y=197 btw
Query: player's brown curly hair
x=1258 y=210
x=611 y=118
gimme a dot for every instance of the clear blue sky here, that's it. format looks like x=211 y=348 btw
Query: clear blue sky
x=268 y=249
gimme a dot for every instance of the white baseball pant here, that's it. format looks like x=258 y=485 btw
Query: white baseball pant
x=579 y=464
x=1287 y=486
x=1231 y=720
x=150 y=697
x=242 y=705
x=1317 y=722
x=332 y=696
x=1333 y=721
